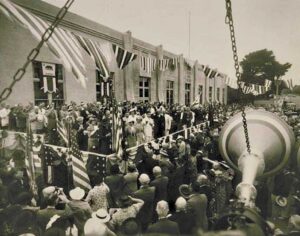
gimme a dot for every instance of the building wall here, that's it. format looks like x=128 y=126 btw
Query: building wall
x=16 y=42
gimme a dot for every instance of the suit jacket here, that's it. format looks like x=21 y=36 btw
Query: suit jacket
x=164 y=227
x=147 y=194
x=184 y=222
x=161 y=188
x=117 y=186
x=44 y=215
x=197 y=205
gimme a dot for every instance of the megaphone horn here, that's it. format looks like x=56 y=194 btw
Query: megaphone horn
x=271 y=142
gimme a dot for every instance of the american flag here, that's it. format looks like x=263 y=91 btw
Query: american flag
x=123 y=57
x=29 y=163
x=62 y=43
x=50 y=155
x=80 y=176
x=117 y=134
x=96 y=164
x=95 y=51
x=62 y=130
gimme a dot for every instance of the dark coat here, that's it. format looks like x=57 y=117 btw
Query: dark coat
x=117 y=186
x=164 y=227
x=197 y=206
x=184 y=222
x=161 y=188
x=147 y=194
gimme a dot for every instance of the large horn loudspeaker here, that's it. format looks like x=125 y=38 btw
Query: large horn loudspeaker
x=271 y=142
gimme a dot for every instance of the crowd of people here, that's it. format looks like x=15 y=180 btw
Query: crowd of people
x=178 y=186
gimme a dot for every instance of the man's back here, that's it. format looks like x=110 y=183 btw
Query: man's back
x=163 y=227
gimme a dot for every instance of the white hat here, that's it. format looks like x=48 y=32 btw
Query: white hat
x=102 y=215
x=77 y=193
x=179 y=137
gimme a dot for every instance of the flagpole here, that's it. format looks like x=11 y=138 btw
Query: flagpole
x=189 y=34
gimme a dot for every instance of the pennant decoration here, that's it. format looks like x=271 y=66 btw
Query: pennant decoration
x=147 y=64
x=163 y=64
x=94 y=50
x=268 y=84
x=49 y=80
x=123 y=57
x=61 y=43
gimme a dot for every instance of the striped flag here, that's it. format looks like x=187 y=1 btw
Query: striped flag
x=268 y=84
x=61 y=43
x=62 y=130
x=95 y=51
x=123 y=57
x=80 y=176
x=36 y=149
x=117 y=134
x=206 y=71
x=50 y=156
x=212 y=74
x=163 y=64
x=147 y=64
x=29 y=162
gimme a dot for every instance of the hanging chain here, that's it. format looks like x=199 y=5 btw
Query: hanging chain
x=229 y=21
x=35 y=52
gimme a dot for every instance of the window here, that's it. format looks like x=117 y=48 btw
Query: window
x=48 y=83
x=223 y=95
x=103 y=88
x=187 y=94
x=200 y=93
x=144 y=89
x=170 y=92
x=210 y=94
x=218 y=95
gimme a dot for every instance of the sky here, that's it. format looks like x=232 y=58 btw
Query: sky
x=259 y=24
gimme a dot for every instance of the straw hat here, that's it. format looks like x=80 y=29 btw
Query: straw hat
x=77 y=193
x=102 y=215
x=281 y=201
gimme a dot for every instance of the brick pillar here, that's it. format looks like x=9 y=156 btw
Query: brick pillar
x=181 y=80
x=128 y=70
x=160 y=83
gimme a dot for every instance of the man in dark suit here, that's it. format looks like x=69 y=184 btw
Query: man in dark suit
x=147 y=194
x=197 y=205
x=163 y=226
x=160 y=183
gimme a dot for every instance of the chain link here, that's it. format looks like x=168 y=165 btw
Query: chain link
x=35 y=52
x=229 y=21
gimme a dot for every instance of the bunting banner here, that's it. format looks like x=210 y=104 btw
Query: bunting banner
x=147 y=64
x=268 y=84
x=207 y=71
x=173 y=62
x=122 y=56
x=94 y=50
x=61 y=43
x=212 y=74
x=163 y=64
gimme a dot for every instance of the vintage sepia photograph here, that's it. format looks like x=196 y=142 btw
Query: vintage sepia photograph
x=149 y=117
